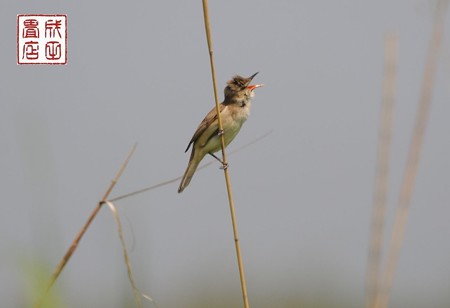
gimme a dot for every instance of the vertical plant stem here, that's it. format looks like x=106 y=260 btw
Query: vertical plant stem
x=382 y=169
x=136 y=292
x=227 y=178
x=401 y=216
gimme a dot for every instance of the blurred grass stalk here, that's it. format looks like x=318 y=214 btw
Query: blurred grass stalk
x=382 y=168
x=381 y=299
x=136 y=292
x=83 y=230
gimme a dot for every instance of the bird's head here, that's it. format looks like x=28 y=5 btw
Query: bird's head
x=239 y=88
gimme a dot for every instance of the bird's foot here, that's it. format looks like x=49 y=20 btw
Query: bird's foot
x=220 y=132
x=224 y=164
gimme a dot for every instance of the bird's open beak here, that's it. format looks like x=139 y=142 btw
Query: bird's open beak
x=254 y=86
x=252 y=76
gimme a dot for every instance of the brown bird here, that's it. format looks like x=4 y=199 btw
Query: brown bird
x=234 y=111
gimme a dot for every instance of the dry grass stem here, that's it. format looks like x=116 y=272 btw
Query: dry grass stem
x=412 y=164
x=382 y=168
x=80 y=234
x=137 y=294
x=227 y=178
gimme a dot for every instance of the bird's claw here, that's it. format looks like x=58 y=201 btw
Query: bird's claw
x=220 y=132
x=224 y=166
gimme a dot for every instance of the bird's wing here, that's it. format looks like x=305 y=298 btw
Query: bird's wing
x=209 y=126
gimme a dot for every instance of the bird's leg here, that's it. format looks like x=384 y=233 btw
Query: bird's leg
x=224 y=165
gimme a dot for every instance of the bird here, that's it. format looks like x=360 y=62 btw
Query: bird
x=234 y=111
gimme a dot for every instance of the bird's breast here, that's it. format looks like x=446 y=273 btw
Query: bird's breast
x=239 y=113
x=232 y=120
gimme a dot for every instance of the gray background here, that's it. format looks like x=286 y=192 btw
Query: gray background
x=138 y=71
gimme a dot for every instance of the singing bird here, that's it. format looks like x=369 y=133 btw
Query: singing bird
x=234 y=111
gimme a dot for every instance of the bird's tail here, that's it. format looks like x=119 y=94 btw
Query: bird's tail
x=190 y=170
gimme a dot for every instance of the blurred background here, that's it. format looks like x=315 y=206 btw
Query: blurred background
x=138 y=71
